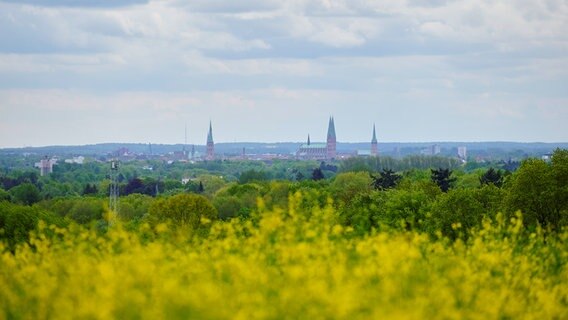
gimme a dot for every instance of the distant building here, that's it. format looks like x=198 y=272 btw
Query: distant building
x=547 y=157
x=432 y=150
x=320 y=151
x=76 y=160
x=374 y=144
x=210 y=144
x=45 y=166
x=462 y=153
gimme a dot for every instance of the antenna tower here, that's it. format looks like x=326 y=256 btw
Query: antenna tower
x=113 y=198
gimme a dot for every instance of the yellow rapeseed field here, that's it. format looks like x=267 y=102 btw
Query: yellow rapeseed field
x=293 y=263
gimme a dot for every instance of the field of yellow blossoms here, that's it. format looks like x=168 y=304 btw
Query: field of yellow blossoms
x=294 y=263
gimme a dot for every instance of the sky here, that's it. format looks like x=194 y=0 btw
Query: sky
x=76 y=72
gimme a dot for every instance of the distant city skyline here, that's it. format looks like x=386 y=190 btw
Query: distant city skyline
x=138 y=71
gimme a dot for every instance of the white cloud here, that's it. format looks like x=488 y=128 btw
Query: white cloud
x=201 y=59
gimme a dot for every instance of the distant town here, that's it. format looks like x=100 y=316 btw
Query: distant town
x=330 y=150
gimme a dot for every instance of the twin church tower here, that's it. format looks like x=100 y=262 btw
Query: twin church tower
x=309 y=150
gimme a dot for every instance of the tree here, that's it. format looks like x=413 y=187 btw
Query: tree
x=227 y=206
x=252 y=175
x=17 y=221
x=26 y=193
x=540 y=191
x=492 y=176
x=200 y=188
x=4 y=195
x=454 y=213
x=386 y=179
x=85 y=210
x=135 y=185
x=183 y=210
x=90 y=189
x=347 y=185
x=442 y=177
x=317 y=174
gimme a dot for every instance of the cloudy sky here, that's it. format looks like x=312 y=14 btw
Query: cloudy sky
x=81 y=72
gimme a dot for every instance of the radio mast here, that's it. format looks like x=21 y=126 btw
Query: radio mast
x=113 y=197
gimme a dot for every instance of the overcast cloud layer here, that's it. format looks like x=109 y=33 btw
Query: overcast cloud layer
x=78 y=72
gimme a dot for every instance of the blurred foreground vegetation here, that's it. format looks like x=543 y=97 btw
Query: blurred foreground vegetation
x=361 y=242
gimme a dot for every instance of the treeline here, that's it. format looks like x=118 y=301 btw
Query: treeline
x=441 y=200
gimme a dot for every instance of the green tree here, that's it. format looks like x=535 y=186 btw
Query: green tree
x=347 y=185
x=227 y=206
x=183 y=210
x=456 y=212
x=252 y=175
x=4 y=195
x=85 y=210
x=16 y=221
x=26 y=193
x=540 y=191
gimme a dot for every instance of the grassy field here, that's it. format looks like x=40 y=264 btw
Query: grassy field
x=297 y=263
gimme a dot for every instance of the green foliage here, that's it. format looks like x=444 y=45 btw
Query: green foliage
x=16 y=221
x=403 y=208
x=90 y=189
x=134 y=206
x=456 y=212
x=211 y=184
x=25 y=193
x=375 y=164
x=86 y=210
x=228 y=206
x=347 y=185
x=82 y=210
x=4 y=195
x=540 y=191
x=253 y=175
x=189 y=210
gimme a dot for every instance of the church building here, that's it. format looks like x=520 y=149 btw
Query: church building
x=320 y=151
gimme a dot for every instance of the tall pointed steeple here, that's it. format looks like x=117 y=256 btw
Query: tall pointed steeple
x=210 y=144
x=331 y=128
x=374 y=140
x=210 y=134
x=308 y=139
x=374 y=146
x=331 y=140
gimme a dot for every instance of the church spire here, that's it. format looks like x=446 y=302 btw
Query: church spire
x=331 y=140
x=210 y=144
x=331 y=128
x=308 y=139
x=210 y=134
x=374 y=145
x=374 y=140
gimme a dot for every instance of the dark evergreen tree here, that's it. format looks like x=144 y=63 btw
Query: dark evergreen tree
x=90 y=189
x=317 y=174
x=386 y=179
x=200 y=189
x=135 y=185
x=442 y=177
x=492 y=176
